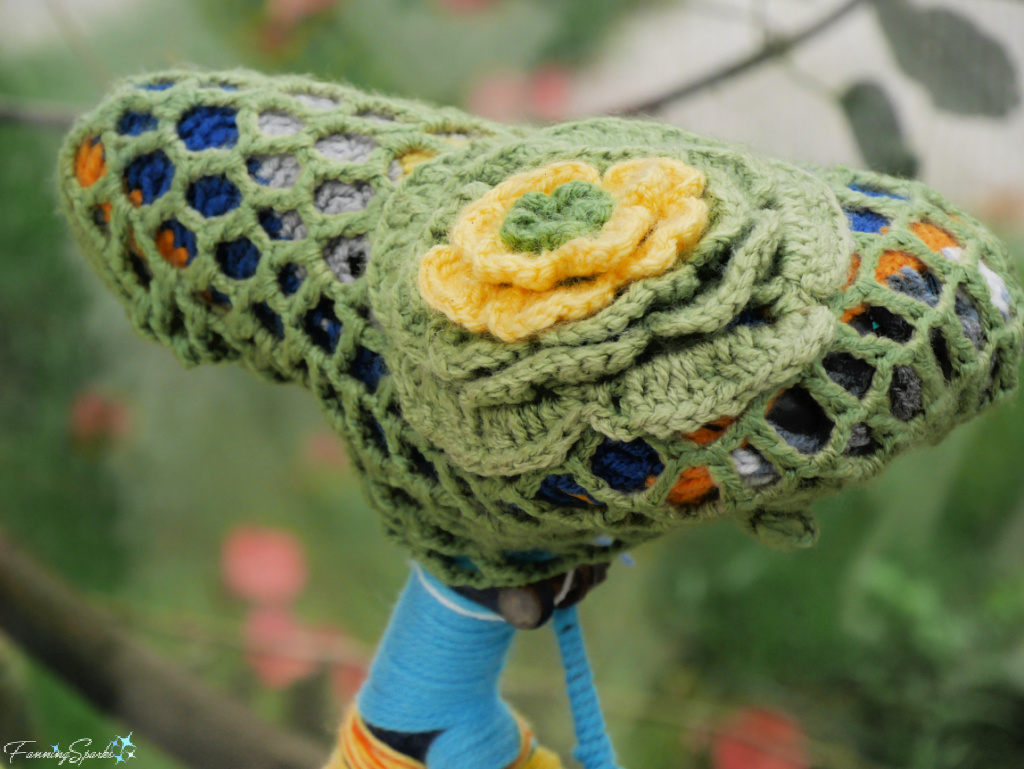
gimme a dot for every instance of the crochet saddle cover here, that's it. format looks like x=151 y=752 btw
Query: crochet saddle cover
x=544 y=345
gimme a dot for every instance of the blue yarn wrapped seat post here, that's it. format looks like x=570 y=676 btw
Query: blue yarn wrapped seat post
x=432 y=696
x=432 y=692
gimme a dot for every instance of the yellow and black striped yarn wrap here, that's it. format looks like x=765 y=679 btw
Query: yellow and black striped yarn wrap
x=359 y=748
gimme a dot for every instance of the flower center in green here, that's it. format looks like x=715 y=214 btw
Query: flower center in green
x=538 y=222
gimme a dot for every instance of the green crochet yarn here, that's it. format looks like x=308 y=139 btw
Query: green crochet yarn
x=826 y=320
x=538 y=221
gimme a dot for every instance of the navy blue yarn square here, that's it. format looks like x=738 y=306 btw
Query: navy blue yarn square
x=238 y=258
x=183 y=237
x=528 y=556
x=323 y=326
x=368 y=368
x=136 y=123
x=269 y=319
x=414 y=745
x=217 y=298
x=289 y=279
x=866 y=221
x=213 y=195
x=252 y=165
x=208 y=127
x=149 y=174
x=626 y=466
x=751 y=316
x=464 y=563
x=161 y=85
x=876 y=193
x=563 y=490
x=271 y=223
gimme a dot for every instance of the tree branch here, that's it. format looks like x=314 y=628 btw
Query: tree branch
x=773 y=48
x=36 y=113
x=169 y=706
x=341 y=651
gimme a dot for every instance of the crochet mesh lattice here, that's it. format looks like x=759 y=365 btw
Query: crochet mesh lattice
x=815 y=322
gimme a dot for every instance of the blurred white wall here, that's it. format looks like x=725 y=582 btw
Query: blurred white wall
x=29 y=24
x=970 y=159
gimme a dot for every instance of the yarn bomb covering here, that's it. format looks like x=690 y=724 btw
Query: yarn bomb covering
x=544 y=346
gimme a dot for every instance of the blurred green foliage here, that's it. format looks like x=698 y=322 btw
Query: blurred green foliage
x=421 y=48
x=41 y=365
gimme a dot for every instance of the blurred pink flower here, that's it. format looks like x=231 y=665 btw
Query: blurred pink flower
x=499 y=96
x=511 y=97
x=465 y=6
x=324 y=451
x=288 y=13
x=278 y=648
x=96 y=420
x=283 y=16
x=266 y=566
x=549 y=93
x=349 y=665
x=1004 y=208
x=759 y=739
x=346 y=680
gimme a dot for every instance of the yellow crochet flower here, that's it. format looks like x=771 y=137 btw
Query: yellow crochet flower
x=483 y=284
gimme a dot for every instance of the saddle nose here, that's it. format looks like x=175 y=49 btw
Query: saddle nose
x=121 y=191
x=164 y=200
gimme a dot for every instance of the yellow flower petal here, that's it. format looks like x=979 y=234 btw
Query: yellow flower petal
x=481 y=284
x=653 y=182
x=448 y=284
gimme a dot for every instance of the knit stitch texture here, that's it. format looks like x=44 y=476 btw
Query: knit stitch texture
x=807 y=325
